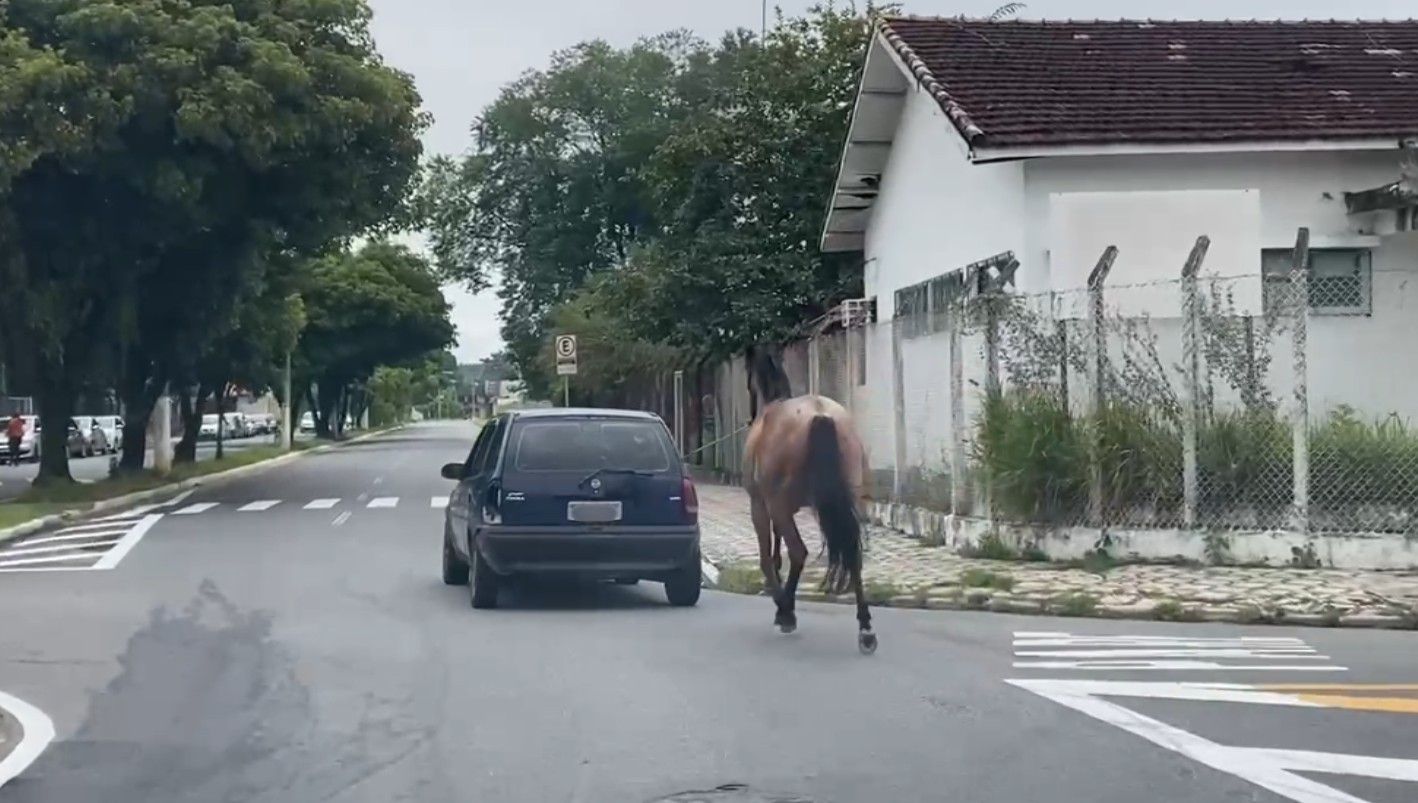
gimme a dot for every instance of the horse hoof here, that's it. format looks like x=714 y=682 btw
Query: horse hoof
x=786 y=621
x=866 y=642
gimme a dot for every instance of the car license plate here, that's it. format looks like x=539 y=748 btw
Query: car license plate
x=593 y=512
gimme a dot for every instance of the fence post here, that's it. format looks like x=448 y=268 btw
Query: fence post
x=679 y=410
x=1097 y=369
x=1191 y=363
x=960 y=497
x=814 y=366
x=1300 y=424
x=898 y=404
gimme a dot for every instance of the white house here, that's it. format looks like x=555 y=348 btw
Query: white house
x=1053 y=139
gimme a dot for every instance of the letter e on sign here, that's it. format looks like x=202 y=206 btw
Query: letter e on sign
x=566 y=355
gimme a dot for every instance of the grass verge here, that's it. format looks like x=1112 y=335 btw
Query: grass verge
x=48 y=500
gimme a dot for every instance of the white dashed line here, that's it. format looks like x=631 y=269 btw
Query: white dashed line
x=439 y=502
x=322 y=504
x=191 y=510
x=265 y=504
x=341 y=519
x=384 y=501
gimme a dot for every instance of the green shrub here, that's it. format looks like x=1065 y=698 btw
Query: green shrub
x=1038 y=460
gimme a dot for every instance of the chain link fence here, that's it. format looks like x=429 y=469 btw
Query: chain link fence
x=1199 y=402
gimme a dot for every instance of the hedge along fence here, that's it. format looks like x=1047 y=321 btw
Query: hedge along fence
x=1094 y=415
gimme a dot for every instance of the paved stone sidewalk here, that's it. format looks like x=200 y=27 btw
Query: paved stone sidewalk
x=900 y=571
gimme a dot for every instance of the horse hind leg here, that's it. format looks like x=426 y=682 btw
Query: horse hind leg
x=866 y=639
x=787 y=530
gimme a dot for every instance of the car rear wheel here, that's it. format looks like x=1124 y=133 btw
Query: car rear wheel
x=455 y=569
x=682 y=588
x=483 y=583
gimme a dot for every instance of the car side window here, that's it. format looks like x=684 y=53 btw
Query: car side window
x=476 y=453
x=489 y=456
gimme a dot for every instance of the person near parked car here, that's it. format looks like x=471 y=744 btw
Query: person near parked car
x=15 y=434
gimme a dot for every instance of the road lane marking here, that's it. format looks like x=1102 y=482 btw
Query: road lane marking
x=200 y=507
x=1269 y=768
x=341 y=519
x=1087 y=652
x=378 y=480
x=177 y=500
x=45 y=550
x=439 y=502
x=384 y=501
x=264 y=504
x=322 y=504
x=15 y=565
x=125 y=545
x=38 y=733
x=89 y=536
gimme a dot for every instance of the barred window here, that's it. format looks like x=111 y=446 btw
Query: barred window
x=1340 y=279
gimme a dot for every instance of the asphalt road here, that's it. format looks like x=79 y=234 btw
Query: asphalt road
x=14 y=480
x=306 y=650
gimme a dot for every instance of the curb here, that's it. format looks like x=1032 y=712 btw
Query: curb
x=25 y=732
x=979 y=601
x=150 y=494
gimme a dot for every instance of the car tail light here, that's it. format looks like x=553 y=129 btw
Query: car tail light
x=689 y=498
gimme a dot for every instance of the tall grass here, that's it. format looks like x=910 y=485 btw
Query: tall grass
x=1039 y=461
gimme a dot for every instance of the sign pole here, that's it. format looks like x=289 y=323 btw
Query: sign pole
x=566 y=364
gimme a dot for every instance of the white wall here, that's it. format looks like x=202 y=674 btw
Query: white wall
x=1366 y=362
x=937 y=212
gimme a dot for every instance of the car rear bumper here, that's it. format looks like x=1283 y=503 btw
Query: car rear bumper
x=625 y=552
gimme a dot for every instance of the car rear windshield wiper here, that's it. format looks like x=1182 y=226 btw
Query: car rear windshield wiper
x=636 y=472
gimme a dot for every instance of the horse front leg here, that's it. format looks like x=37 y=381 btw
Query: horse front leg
x=787 y=617
x=763 y=528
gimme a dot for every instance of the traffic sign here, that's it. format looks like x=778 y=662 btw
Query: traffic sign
x=566 y=355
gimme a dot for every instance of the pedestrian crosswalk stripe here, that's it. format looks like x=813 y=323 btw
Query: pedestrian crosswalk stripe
x=200 y=507
x=51 y=539
x=265 y=504
x=440 y=501
x=322 y=504
x=1055 y=651
x=47 y=550
x=384 y=501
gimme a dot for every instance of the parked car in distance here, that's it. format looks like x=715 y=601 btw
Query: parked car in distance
x=307 y=422
x=103 y=439
x=596 y=493
x=209 y=427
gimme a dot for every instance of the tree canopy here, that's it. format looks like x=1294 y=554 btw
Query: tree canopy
x=169 y=167
x=662 y=201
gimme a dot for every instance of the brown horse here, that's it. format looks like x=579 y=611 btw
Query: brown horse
x=804 y=451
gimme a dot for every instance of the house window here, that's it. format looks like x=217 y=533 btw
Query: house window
x=1340 y=279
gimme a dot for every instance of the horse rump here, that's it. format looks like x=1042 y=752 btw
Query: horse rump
x=833 y=501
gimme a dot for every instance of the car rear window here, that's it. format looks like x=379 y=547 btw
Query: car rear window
x=589 y=444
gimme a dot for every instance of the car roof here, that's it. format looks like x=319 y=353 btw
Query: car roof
x=582 y=412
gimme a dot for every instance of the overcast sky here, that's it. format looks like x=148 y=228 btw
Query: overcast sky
x=462 y=51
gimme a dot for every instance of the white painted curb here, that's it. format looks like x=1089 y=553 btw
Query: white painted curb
x=139 y=497
x=38 y=733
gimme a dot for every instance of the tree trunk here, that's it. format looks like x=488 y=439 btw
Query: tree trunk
x=190 y=411
x=140 y=390
x=54 y=402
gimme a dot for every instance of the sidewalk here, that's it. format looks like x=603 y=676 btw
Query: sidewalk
x=903 y=573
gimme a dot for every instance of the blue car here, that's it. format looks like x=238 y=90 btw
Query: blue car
x=595 y=493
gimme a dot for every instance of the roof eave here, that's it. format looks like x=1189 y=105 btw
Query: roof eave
x=981 y=153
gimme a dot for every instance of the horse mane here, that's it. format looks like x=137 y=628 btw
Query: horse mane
x=766 y=375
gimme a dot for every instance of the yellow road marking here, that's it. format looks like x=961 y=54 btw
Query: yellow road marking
x=1392 y=705
x=1336 y=687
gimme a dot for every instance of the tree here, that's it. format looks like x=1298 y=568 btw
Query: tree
x=551 y=192
x=741 y=190
x=194 y=138
x=380 y=305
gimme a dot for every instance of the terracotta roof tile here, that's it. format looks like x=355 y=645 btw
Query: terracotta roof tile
x=1015 y=83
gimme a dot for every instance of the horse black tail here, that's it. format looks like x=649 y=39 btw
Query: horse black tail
x=833 y=501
